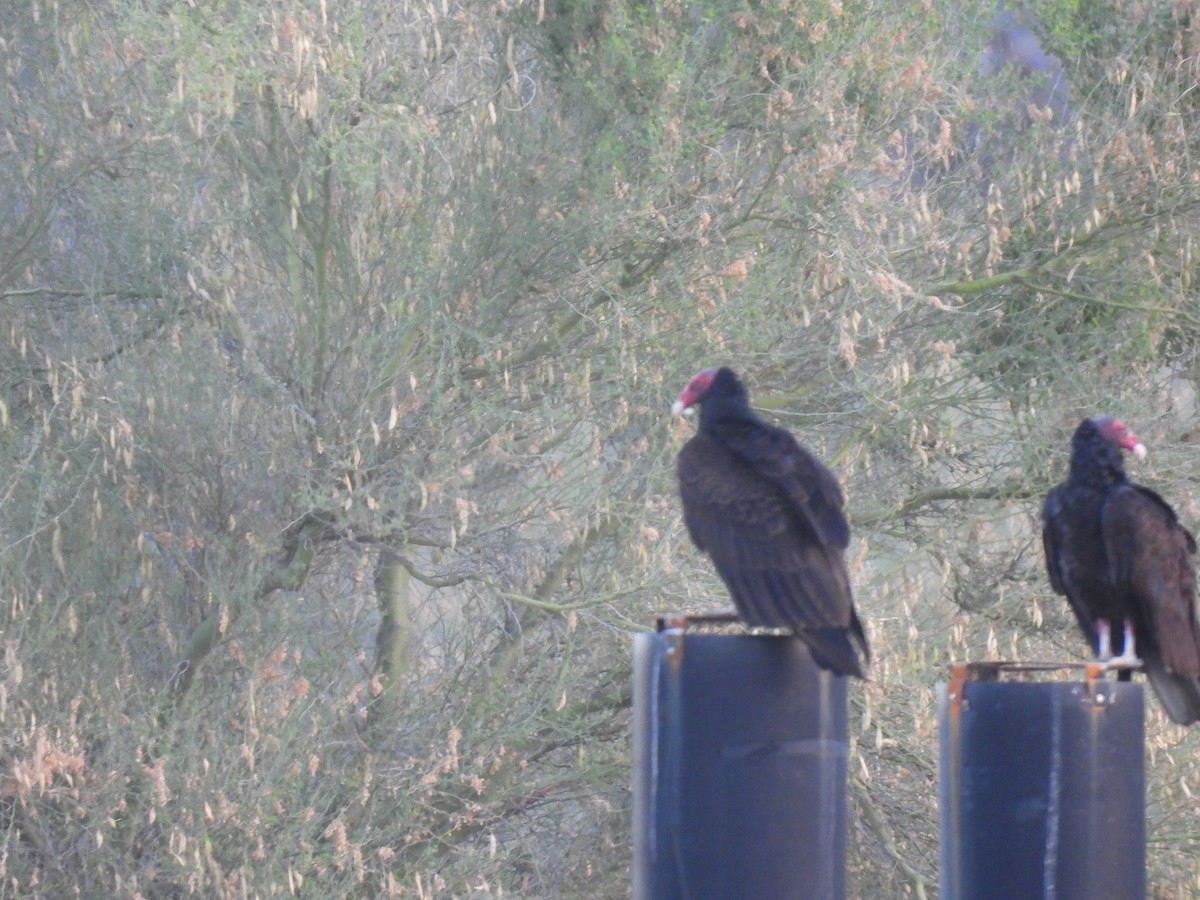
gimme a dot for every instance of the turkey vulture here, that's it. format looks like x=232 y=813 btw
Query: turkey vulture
x=770 y=516
x=1119 y=554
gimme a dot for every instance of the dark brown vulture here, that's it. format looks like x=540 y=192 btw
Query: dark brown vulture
x=770 y=516
x=1119 y=554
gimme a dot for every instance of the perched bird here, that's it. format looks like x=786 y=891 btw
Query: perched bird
x=1119 y=554
x=770 y=516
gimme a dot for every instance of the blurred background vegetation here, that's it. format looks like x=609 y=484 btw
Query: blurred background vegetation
x=338 y=346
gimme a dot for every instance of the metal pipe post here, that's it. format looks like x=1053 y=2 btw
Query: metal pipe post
x=740 y=754
x=1042 y=790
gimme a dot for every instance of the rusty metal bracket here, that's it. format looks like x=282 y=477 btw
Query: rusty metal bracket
x=686 y=621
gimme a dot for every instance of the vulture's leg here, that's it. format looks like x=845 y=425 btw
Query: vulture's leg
x=1104 y=641
x=1128 y=657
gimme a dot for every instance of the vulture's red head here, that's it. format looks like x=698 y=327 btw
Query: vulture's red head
x=1115 y=432
x=694 y=392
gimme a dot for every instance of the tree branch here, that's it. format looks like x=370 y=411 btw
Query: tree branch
x=286 y=573
x=936 y=495
x=878 y=827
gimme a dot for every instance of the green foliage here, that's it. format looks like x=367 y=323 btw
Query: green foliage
x=333 y=392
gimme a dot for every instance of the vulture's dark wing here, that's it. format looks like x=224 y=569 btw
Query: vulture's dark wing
x=776 y=543
x=813 y=491
x=1052 y=511
x=1062 y=558
x=1149 y=556
x=1150 y=565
